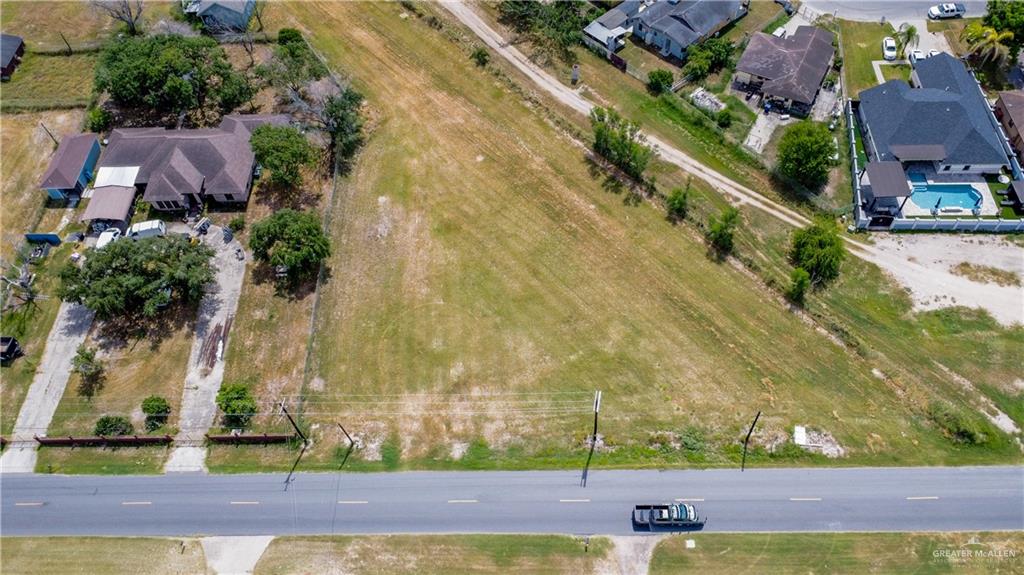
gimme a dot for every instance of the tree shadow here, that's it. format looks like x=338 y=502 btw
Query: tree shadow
x=127 y=331
x=614 y=181
x=277 y=197
x=291 y=289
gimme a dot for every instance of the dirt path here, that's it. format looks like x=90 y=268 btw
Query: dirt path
x=1005 y=304
x=234 y=555
x=633 y=554
x=198 y=402
x=68 y=332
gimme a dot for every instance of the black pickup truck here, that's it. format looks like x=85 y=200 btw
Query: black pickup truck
x=667 y=517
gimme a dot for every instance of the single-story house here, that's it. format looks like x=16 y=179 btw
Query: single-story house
x=1010 y=113
x=222 y=14
x=12 y=48
x=942 y=123
x=673 y=25
x=789 y=70
x=611 y=28
x=179 y=169
x=110 y=205
x=71 y=167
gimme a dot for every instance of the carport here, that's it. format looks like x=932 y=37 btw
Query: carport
x=111 y=205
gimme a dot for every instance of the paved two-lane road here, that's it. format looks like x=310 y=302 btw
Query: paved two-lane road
x=859 y=499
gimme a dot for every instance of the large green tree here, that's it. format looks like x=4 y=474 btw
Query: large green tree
x=1007 y=16
x=138 y=278
x=294 y=64
x=284 y=151
x=819 y=250
x=343 y=120
x=170 y=74
x=805 y=152
x=619 y=141
x=237 y=403
x=291 y=239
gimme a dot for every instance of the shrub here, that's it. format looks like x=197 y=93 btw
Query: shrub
x=819 y=250
x=697 y=67
x=113 y=425
x=659 y=81
x=723 y=119
x=157 y=410
x=619 y=141
x=237 y=403
x=98 y=120
x=89 y=369
x=678 y=202
x=799 y=281
x=692 y=439
x=707 y=57
x=288 y=36
x=481 y=56
x=957 y=425
x=237 y=224
x=721 y=229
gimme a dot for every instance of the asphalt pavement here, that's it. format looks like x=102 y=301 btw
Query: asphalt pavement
x=892 y=10
x=853 y=499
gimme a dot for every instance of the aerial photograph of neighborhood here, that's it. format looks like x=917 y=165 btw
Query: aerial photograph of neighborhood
x=511 y=287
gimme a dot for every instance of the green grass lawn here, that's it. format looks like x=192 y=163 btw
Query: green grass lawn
x=760 y=16
x=896 y=72
x=50 y=82
x=853 y=553
x=101 y=555
x=436 y=554
x=862 y=44
x=101 y=461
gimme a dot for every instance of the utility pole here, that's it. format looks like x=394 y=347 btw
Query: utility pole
x=743 y=464
x=305 y=440
x=593 y=438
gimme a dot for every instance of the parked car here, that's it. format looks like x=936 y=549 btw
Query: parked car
x=147 y=229
x=916 y=55
x=889 y=48
x=947 y=10
x=933 y=52
x=667 y=517
x=108 y=236
x=779 y=32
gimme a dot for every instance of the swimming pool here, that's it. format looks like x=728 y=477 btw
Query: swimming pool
x=931 y=196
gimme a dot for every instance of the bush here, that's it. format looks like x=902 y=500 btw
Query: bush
x=89 y=369
x=697 y=67
x=157 y=410
x=723 y=119
x=288 y=36
x=113 y=425
x=707 y=57
x=692 y=439
x=237 y=224
x=799 y=281
x=552 y=27
x=619 y=141
x=678 y=203
x=819 y=250
x=957 y=425
x=237 y=403
x=659 y=81
x=721 y=229
x=98 y=120
x=481 y=56
x=805 y=152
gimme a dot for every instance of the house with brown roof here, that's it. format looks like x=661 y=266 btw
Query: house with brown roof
x=71 y=167
x=787 y=70
x=1009 y=111
x=179 y=169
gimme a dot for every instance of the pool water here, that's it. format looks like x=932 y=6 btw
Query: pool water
x=945 y=195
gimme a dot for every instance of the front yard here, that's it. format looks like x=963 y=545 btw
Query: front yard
x=862 y=44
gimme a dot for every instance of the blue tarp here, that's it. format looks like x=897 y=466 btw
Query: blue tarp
x=52 y=239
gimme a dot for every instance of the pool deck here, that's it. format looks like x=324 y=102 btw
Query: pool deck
x=988 y=204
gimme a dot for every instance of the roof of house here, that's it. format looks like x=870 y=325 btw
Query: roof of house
x=793 y=66
x=1013 y=102
x=945 y=119
x=176 y=162
x=687 y=21
x=888 y=180
x=109 y=203
x=68 y=161
x=1016 y=190
x=233 y=5
x=9 y=45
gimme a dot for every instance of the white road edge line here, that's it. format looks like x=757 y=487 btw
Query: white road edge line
x=136 y=503
x=29 y=504
x=574 y=501
x=695 y=499
x=923 y=497
x=352 y=502
x=805 y=498
x=463 y=501
x=245 y=502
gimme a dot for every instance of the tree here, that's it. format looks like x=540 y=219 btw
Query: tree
x=291 y=239
x=294 y=64
x=284 y=151
x=553 y=28
x=805 y=152
x=138 y=278
x=342 y=119
x=170 y=74
x=721 y=229
x=723 y=119
x=678 y=203
x=619 y=141
x=697 y=67
x=128 y=12
x=659 y=81
x=113 y=425
x=237 y=403
x=90 y=370
x=907 y=37
x=987 y=43
x=819 y=250
x=481 y=56
x=799 y=281
x=707 y=57
x=157 y=410
x=1007 y=16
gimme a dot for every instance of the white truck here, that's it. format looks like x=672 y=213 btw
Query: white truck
x=147 y=229
x=947 y=10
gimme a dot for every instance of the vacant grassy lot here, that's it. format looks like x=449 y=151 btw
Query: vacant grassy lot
x=853 y=553
x=50 y=82
x=101 y=555
x=82 y=25
x=862 y=44
x=437 y=554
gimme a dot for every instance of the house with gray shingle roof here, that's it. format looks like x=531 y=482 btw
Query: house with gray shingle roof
x=178 y=169
x=789 y=70
x=12 y=48
x=220 y=15
x=943 y=121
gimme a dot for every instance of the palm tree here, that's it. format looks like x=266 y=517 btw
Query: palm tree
x=987 y=43
x=906 y=37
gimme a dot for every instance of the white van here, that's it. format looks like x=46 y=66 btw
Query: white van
x=147 y=229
